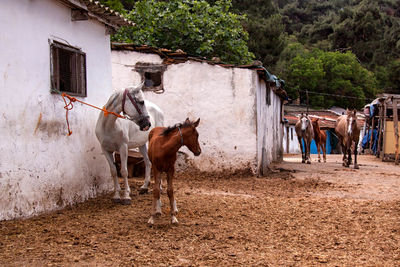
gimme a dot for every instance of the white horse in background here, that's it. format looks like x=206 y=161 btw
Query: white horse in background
x=119 y=135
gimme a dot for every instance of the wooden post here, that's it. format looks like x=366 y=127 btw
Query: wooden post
x=396 y=130
x=287 y=139
x=384 y=129
x=372 y=135
x=380 y=129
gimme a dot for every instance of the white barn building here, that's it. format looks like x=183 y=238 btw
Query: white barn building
x=240 y=107
x=48 y=47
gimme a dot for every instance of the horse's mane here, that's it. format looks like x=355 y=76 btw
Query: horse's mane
x=170 y=129
x=116 y=94
x=111 y=100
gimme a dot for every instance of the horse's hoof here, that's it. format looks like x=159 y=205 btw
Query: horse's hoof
x=319 y=160
x=143 y=191
x=116 y=200
x=157 y=214
x=126 y=201
x=303 y=161
x=356 y=166
x=174 y=220
x=308 y=162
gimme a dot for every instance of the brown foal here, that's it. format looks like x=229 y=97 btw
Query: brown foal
x=164 y=144
x=320 y=139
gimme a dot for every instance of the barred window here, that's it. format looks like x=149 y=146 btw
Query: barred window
x=68 y=69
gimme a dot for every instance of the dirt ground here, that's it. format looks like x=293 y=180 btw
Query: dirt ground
x=300 y=215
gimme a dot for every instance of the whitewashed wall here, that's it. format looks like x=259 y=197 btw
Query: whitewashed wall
x=223 y=98
x=269 y=127
x=41 y=168
x=294 y=147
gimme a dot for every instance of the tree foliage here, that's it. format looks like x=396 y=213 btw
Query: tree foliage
x=327 y=74
x=194 y=26
x=265 y=27
x=370 y=29
x=284 y=35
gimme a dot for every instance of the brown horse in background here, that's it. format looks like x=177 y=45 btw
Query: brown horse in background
x=304 y=130
x=320 y=138
x=164 y=143
x=348 y=132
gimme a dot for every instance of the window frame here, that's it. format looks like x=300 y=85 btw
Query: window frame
x=145 y=69
x=78 y=69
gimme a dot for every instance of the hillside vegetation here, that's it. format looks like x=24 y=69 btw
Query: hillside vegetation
x=349 y=48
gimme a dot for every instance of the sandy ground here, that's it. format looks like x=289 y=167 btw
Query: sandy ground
x=300 y=215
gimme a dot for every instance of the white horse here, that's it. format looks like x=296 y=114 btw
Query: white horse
x=120 y=135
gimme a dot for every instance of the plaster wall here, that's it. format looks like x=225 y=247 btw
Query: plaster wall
x=223 y=98
x=294 y=147
x=269 y=127
x=41 y=168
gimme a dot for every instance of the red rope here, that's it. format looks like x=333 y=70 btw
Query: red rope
x=69 y=106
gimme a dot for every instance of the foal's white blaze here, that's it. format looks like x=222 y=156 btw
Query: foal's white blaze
x=349 y=129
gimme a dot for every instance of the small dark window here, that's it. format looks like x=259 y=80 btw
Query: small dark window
x=152 y=79
x=152 y=76
x=291 y=133
x=68 y=70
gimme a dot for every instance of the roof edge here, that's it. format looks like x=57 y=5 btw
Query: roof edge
x=176 y=57
x=96 y=10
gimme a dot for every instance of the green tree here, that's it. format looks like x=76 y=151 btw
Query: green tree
x=305 y=75
x=345 y=76
x=265 y=28
x=268 y=39
x=370 y=29
x=389 y=77
x=327 y=74
x=292 y=49
x=194 y=26
x=121 y=6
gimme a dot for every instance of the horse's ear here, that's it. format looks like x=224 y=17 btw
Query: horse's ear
x=187 y=120
x=355 y=112
x=196 y=123
x=317 y=119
